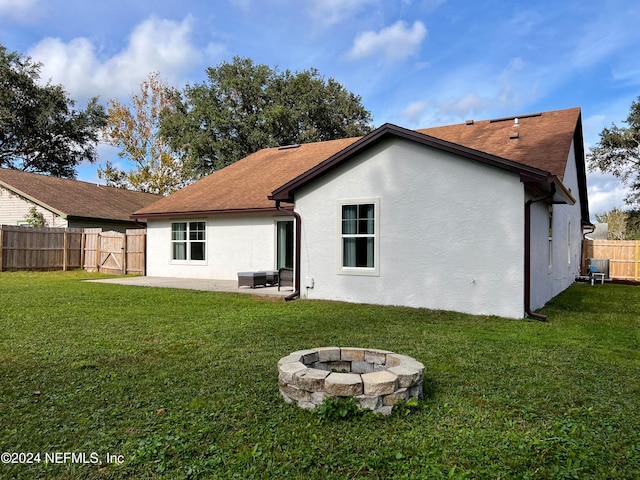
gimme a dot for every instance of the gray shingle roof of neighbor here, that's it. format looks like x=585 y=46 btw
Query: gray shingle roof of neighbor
x=542 y=146
x=76 y=199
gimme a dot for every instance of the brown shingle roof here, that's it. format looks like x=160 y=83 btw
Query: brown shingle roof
x=543 y=143
x=246 y=184
x=72 y=198
x=543 y=140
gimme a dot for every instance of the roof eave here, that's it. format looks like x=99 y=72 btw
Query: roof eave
x=202 y=213
x=77 y=218
x=562 y=194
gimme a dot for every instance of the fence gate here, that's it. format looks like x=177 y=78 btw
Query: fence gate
x=112 y=253
x=28 y=248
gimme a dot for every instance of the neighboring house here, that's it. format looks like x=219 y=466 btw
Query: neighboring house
x=68 y=203
x=484 y=217
x=600 y=232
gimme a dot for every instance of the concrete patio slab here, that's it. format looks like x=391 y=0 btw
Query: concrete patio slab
x=195 y=284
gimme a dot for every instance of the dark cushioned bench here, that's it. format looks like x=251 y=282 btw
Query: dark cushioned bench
x=252 y=279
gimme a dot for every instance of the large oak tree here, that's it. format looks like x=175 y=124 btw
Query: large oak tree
x=243 y=107
x=618 y=152
x=41 y=131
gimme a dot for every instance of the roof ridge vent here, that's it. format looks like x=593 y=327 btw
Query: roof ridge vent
x=519 y=117
x=289 y=147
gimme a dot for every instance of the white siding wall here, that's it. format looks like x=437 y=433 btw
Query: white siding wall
x=233 y=244
x=547 y=282
x=13 y=209
x=451 y=232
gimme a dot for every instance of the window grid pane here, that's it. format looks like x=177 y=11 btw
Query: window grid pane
x=180 y=251
x=178 y=231
x=197 y=251
x=349 y=219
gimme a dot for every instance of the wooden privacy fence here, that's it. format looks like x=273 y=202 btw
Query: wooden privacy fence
x=26 y=248
x=623 y=256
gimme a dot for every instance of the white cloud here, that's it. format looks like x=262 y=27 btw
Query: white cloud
x=628 y=76
x=592 y=49
x=431 y=5
x=592 y=126
x=331 y=12
x=607 y=35
x=22 y=10
x=524 y=22
x=605 y=193
x=243 y=4
x=154 y=45
x=412 y=114
x=450 y=110
x=396 y=42
x=473 y=91
x=518 y=85
x=464 y=106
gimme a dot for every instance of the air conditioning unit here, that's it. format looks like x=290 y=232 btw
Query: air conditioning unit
x=601 y=265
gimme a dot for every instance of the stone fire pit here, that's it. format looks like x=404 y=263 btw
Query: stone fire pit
x=377 y=379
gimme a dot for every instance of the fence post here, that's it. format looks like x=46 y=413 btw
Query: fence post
x=82 y=244
x=98 y=242
x=1 y=247
x=636 y=261
x=65 y=247
x=144 y=253
x=124 y=254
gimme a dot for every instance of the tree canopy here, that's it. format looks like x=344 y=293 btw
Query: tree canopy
x=40 y=130
x=618 y=152
x=243 y=107
x=622 y=224
x=134 y=129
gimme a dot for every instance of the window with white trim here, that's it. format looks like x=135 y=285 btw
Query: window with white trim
x=188 y=241
x=359 y=237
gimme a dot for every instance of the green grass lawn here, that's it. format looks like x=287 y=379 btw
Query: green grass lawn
x=183 y=384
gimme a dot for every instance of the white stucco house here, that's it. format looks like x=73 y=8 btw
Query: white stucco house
x=484 y=217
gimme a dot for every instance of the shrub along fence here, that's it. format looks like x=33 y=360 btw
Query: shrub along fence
x=623 y=256
x=26 y=248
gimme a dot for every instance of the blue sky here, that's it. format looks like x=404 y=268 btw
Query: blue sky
x=415 y=63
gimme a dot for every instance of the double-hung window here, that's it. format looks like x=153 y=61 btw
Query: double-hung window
x=188 y=241
x=359 y=237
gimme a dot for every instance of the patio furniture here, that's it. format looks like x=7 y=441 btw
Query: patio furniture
x=594 y=274
x=272 y=277
x=285 y=277
x=252 y=279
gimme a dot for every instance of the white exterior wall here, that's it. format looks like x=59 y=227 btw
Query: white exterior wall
x=234 y=244
x=14 y=208
x=547 y=282
x=451 y=232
